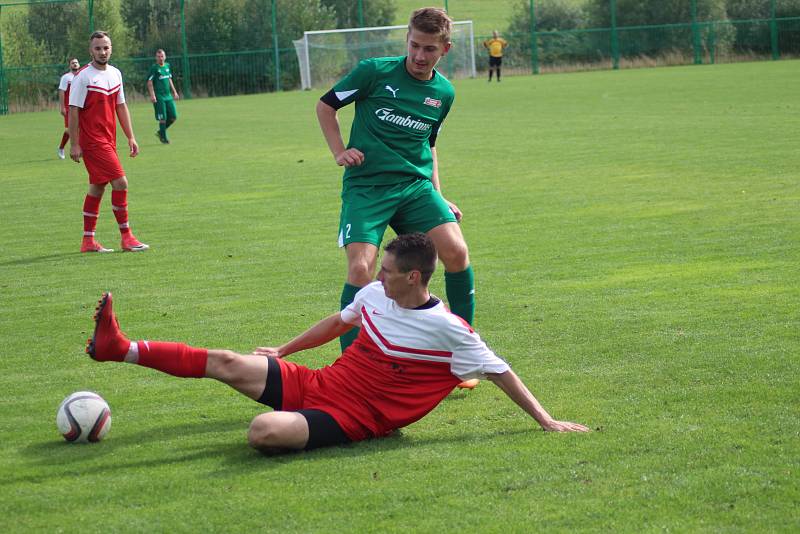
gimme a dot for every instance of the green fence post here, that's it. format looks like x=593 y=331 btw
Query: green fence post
x=614 y=36
x=187 y=71
x=534 y=44
x=773 y=31
x=91 y=16
x=695 y=34
x=712 y=43
x=275 y=46
x=3 y=88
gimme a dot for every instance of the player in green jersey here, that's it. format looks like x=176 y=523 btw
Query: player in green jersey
x=162 y=94
x=391 y=175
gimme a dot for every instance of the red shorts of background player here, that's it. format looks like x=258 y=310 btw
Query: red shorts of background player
x=103 y=164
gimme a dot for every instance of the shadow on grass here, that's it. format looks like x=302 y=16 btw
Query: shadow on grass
x=39 y=259
x=57 y=458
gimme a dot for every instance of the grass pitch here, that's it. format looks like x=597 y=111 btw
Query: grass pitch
x=635 y=238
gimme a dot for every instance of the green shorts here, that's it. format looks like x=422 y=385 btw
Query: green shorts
x=165 y=110
x=413 y=206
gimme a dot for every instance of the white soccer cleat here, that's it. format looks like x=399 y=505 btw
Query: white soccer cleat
x=60 y=153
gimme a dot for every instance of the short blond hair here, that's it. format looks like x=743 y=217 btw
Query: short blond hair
x=432 y=20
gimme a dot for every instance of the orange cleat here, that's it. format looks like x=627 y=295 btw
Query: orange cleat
x=131 y=244
x=108 y=342
x=88 y=244
x=469 y=384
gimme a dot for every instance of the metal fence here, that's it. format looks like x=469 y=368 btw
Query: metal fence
x=215 y=50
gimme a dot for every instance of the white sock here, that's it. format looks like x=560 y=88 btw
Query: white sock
x=133 y=353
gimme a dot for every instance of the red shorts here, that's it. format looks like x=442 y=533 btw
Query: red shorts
x=102 y=163
x=305 y=388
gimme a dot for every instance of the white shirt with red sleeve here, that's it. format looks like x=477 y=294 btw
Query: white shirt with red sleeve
x=97 y=93
x=63 y=85
x=401 y=366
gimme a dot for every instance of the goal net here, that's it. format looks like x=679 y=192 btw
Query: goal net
x=327 y=55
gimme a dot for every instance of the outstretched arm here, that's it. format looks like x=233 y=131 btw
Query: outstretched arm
x=327 y=329
x=512 y=386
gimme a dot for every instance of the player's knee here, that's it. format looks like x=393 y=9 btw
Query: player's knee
x=359 y=273
x=455 y=257
x=223 y=363
x=264 y=434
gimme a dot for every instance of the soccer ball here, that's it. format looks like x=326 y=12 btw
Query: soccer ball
x=83 y=416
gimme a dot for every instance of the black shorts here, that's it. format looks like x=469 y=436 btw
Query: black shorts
x=495 y=61
x=323 y=430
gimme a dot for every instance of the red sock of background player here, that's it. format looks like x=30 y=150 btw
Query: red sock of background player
x=64 y=139
x=176 y=359
x=91 y=210
x=119 y=203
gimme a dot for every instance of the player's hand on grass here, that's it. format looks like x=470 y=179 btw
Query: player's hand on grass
x=63 y=112
x=455 y=210
x=75 y=152
x=134 y=146
x=352 y=157
x=563 y=426
x=271 y=352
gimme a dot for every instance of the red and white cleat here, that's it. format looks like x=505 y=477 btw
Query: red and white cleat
x=131 y=244
x=88 y=244
x=108 y=342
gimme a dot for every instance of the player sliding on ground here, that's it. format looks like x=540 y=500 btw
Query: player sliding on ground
x=409 y=355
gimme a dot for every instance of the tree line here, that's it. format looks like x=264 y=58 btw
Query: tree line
x=738 y=33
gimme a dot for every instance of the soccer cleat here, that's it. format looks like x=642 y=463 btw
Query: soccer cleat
x=131 y=244
x=88 y=244
x=60 y=153
x=162 y=138
x=469 y=384
x=108 y=342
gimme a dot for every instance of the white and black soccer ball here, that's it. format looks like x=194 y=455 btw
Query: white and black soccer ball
x=83 y=416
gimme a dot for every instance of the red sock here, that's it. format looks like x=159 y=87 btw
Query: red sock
x=119 y=203
x=91 y=210
x=175 y=359
x=64 y=139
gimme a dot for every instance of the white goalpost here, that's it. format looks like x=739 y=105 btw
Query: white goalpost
x=325 y=56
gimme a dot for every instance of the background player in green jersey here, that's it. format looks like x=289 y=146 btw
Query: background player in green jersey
x=391 y=175
x=162 y=94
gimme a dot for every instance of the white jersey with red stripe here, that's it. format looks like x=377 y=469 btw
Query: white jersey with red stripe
x=64 y=85
x=403 y=363
x=97 y=93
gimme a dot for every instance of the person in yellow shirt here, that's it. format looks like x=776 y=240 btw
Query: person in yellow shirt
x=495 y=46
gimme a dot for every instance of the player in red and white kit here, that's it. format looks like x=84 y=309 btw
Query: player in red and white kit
x=96 y=100
x=409 y=355
x=63 y=100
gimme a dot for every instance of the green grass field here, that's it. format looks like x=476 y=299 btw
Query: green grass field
x=636 y=242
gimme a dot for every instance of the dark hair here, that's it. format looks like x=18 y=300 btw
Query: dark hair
x=432 y=20
x=414 y=252
x=98 y=35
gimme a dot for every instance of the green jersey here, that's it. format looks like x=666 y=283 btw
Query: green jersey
x=160 y=75
x=397 y=118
